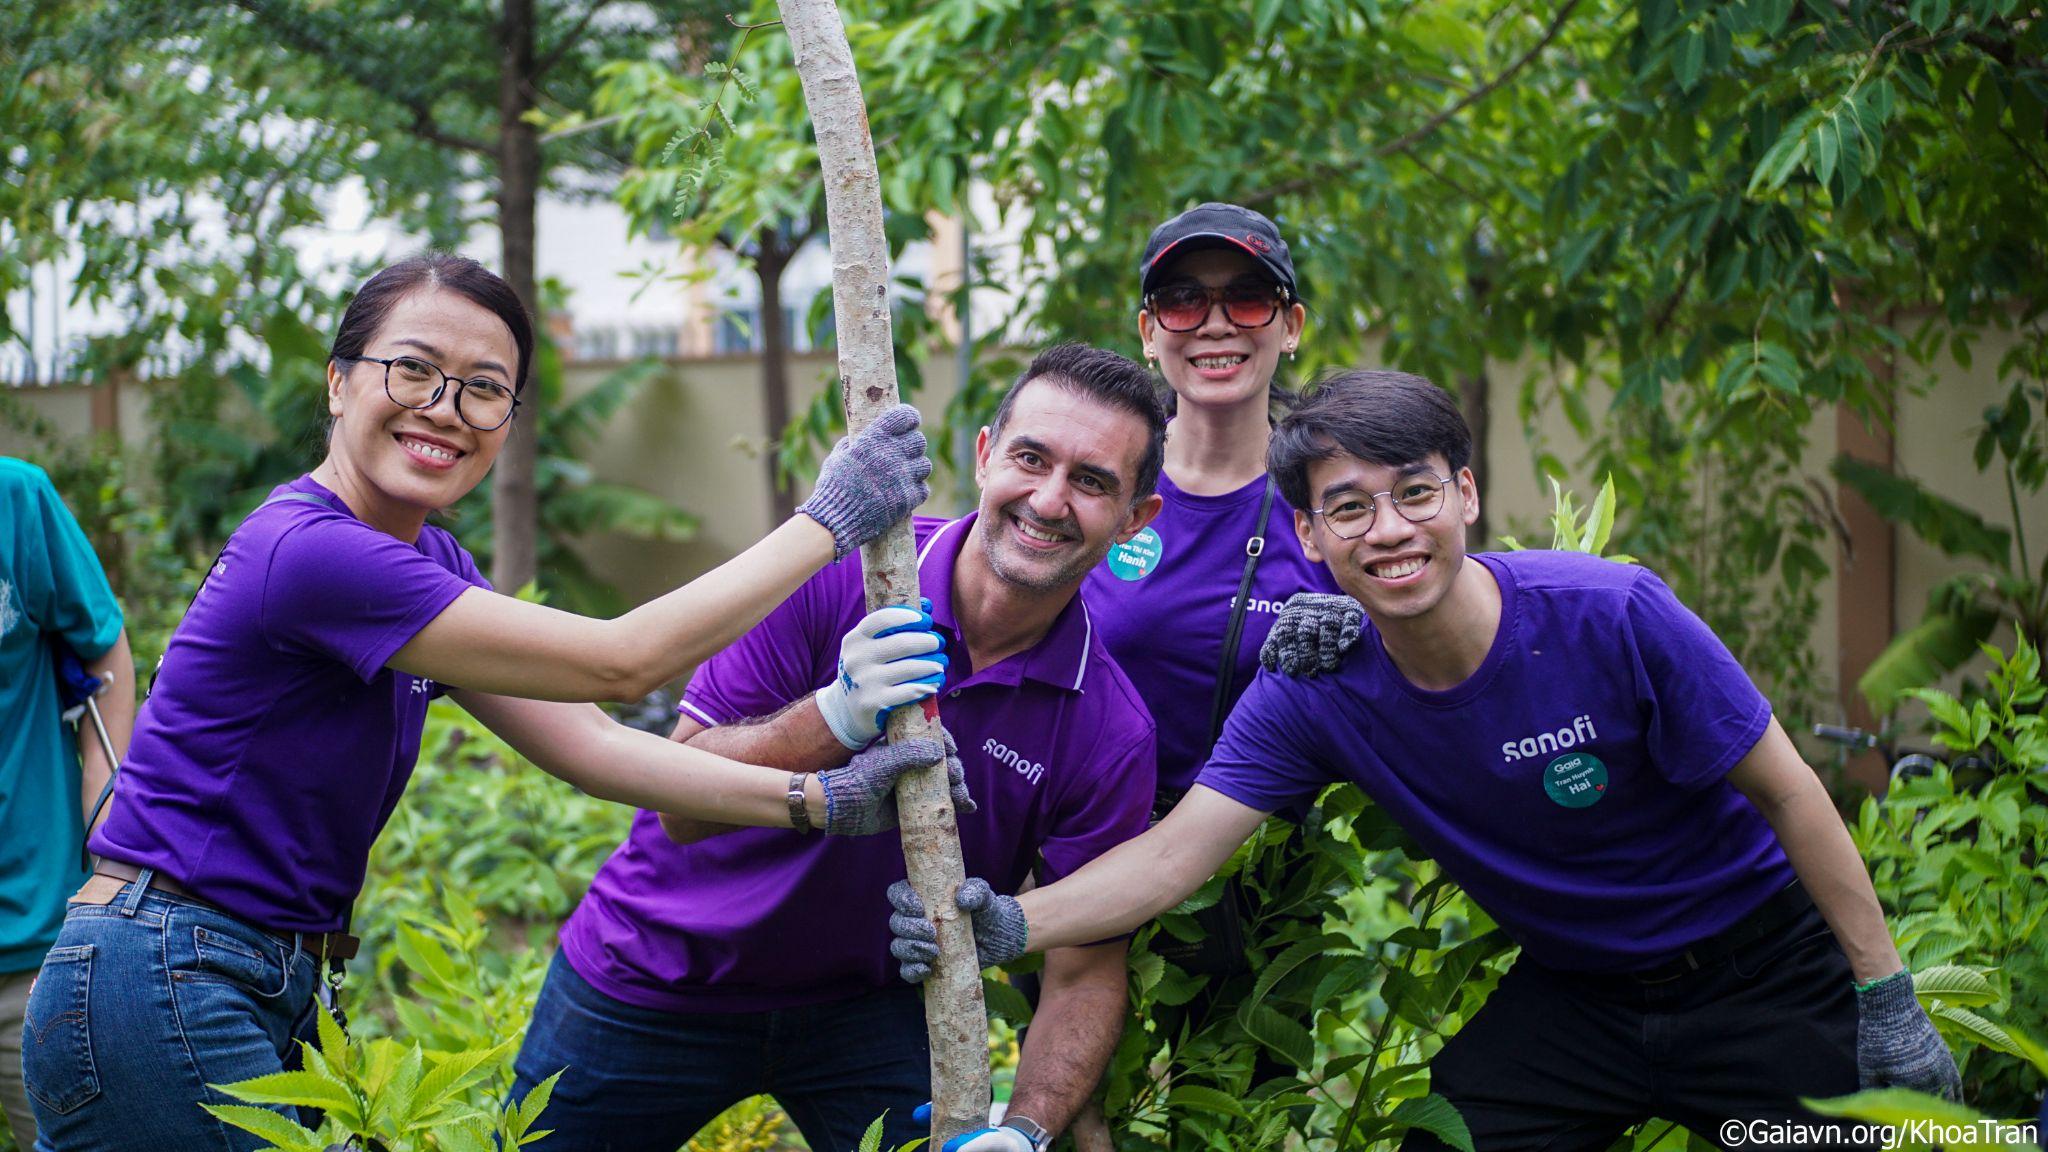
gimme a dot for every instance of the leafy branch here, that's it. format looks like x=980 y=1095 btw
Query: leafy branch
x=702 y=142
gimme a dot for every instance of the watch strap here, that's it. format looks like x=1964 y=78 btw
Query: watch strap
x=799 y=804
x=1032 y=1129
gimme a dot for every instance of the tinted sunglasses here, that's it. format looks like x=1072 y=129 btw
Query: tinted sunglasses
x=1246 y=304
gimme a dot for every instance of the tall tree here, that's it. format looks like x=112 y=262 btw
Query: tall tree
x=431 y=104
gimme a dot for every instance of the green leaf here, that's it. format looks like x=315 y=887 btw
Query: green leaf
x=871 y=1140
x=1954 y=984
x=1600 y=522
x=1005 y=1001
x=1267 y=16
x=1930 y=14
x=1827 y=148
x=1896 y=1106
x=1922 y=655
x=1296 y=954
x=1948 y=526
x=333 y=1041
x=1202 y=1098
x=1977 y=1028
x=530 y=1109
x=1287 y=1038
x=298 y=1088
x=458 y=1072
x=425 y=955
x=1690 y=59
x=1436 y=1116
x=272 y=1126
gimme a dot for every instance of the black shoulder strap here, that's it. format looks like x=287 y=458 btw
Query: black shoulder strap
x=1226 y=671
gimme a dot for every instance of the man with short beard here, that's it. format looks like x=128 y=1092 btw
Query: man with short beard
x=709 y=965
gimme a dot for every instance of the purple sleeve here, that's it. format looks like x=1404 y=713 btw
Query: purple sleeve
x=1701 y=714
x=790 y=654
x=1263 y=759
x=1104 y=810
x=338 y=588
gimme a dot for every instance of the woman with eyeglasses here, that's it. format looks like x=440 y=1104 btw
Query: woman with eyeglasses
x=287 y=713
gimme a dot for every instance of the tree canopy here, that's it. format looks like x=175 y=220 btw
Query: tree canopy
x=1710 y=220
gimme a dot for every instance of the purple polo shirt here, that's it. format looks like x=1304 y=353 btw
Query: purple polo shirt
x=1058 y=753
x=275 y=742
x=1185 y=567
x=1575 y=785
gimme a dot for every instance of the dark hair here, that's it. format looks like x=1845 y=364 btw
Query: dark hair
x=458 y=274
x=1381 y=417
x=1117 y=381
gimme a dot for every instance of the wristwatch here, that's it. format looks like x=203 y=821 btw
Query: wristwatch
x=799 y=805
x=1032 y=1129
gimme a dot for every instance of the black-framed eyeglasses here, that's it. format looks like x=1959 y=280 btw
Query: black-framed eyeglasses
x=411 y=382
x=1416 y=498
x=1185 y=307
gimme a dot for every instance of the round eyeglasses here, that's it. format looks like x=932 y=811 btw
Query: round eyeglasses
x=411 y=382
x=1416 y=498
x=1185 y=307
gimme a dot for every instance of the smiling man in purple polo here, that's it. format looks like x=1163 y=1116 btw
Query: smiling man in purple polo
x=706 y=966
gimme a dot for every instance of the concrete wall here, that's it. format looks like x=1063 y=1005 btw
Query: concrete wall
x=696 y=436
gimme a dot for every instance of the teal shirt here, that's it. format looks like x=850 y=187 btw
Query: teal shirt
x=51 y=587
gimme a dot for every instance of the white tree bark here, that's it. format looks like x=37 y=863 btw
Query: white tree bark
x=955 y=1016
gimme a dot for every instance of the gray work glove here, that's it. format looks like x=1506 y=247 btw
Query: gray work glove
x=872 y=480
x=860 y=799
x=999 y=928
x=1312 y=633
x=1896 y=1044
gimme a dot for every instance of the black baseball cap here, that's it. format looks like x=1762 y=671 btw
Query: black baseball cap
x=1216 y=225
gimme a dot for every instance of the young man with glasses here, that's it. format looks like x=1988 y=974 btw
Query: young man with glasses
x=707 y=966
x=1699 y=939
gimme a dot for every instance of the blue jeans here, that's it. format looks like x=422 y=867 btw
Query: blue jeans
x=144 y=1002
x=638 y=1080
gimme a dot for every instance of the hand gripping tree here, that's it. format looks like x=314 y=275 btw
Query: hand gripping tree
x=955 y=1017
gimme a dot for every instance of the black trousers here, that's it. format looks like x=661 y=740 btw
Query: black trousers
x=1559 y=1061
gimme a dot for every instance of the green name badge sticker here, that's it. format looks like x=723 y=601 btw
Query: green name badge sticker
x=1576 y=780
x=1137 y=557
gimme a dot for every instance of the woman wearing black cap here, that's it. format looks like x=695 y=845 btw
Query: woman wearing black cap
x=1217 y=310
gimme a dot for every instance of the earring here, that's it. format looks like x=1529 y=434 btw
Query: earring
x=1151 y=357
x=1290 y=353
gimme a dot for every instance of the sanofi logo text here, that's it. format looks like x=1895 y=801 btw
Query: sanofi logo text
x=1004 y=754
x=1579 y=731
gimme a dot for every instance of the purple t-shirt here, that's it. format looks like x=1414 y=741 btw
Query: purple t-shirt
x=1184 y=568
x=275 y=742
x=1575 y=784
x=1057 y=748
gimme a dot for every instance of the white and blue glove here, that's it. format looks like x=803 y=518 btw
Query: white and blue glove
x=891 y=658
x=1002 y=1138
